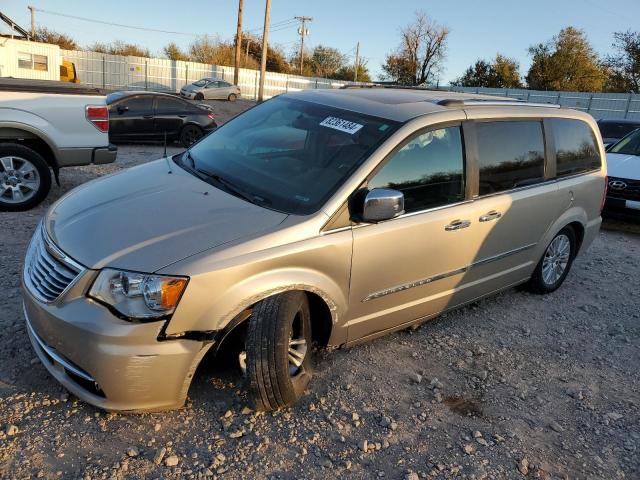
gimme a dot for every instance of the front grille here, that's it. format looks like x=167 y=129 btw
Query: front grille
x=630 y=192
x=48 y=272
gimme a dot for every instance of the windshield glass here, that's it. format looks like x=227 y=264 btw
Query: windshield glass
x=630 y=145
x=201 y=83
x=289 y=155
x=616 y=130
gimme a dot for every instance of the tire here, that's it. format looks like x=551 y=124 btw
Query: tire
x=232 y=97
x=199 y=96
x=277 y=325
x=190 y=134
x=25 y=169
x=545 y=280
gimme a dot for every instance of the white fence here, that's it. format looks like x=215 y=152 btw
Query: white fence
x=115 y=72
x=600 y=105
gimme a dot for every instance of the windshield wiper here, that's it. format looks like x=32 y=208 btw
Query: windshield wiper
x=226 y=184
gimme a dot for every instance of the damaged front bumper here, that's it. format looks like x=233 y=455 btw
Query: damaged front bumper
x=109 y=362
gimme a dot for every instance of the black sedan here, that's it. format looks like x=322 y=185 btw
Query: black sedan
x=149 y=116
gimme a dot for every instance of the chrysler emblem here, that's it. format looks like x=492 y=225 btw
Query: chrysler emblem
x=617 y=185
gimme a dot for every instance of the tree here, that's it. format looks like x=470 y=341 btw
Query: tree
x=418 y=59
x=174 y=52
x=346 y=72
x=567 y=62
x=63 y=40
x=120 y=48
x=624 y=64
x=502 y=73
x=326 y=61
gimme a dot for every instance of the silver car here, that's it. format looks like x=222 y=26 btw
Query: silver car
x=211 y=89
x=325 y=217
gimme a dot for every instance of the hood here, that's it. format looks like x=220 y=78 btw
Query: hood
x=622 y=165
x=145 y=218
x=191 y=88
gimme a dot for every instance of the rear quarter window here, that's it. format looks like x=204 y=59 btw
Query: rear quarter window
x=576 y=147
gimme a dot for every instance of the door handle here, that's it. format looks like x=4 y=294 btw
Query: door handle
x=492 y=215
x=457 y=225
x=147 y=116
x=182 y=116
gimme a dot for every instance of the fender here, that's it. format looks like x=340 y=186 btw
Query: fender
x=15 y=127
x=242 y=295
x=572 y=215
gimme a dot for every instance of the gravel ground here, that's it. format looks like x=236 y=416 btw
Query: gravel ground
x=513 y=386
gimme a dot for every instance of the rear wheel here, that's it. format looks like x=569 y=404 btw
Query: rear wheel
x=232 y=97
x=555 y=264
x=25 y=179
x=278 y=350
x=190 y=134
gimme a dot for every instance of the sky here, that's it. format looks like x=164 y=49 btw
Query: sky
x=479 y=29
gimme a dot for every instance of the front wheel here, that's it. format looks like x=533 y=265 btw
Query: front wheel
x=190 y=134
x=25 y=179
x=199 y=96
x=278 y=350
x=555 y=264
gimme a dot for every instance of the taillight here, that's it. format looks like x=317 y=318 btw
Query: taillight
x=604 y=194
x=211 y=116
x=99 y=116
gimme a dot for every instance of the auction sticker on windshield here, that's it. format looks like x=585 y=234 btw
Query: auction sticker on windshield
x=341 y=124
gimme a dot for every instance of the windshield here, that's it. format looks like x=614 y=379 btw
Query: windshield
x=629 y=145
x=289 y=155
x=201 y=83
x=616 y=130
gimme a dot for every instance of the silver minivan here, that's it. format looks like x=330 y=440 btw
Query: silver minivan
x=325 y=217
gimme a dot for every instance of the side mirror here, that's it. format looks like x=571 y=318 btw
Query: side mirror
x=382 y=204
x=121 y=109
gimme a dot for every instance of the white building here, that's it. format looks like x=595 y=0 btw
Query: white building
x=23 y=59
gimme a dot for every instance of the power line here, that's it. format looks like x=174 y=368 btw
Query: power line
x=281 y=25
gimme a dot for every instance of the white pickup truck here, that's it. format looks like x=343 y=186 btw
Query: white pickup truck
x=43 y=128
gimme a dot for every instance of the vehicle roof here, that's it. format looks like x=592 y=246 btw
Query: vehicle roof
x=130 y=93
x=622 y=121
x=399 y=104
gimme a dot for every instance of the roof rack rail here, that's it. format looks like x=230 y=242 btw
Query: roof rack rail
x=391 y=86
x=471 y=102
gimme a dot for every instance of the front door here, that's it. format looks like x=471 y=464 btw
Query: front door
x=414 y=265
x=131 y=118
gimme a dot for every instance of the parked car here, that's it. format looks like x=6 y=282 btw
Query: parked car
x=144 y=116
x=614 y=130
x=46 y=126
x=211 y=89
x=394 y=206
x=623 y=164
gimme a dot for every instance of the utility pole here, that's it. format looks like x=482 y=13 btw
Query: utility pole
x=265 y=44
x=33 y=22
x=236 y=70
x=355 y=71
x=302 y=31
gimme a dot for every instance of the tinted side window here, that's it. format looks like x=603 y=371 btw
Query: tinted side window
x=510 y=155
x=576 y=147
x=429 y=170
x=138 y=105
x=169 y=105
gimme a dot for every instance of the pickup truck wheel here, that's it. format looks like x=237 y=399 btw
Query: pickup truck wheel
x=25 y=179
x=555 y=263
x=189 y=135
x=278 y=350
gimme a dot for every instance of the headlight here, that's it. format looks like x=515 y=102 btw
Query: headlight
x=138 y=295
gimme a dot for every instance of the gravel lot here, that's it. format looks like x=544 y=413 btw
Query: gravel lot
x=510 y=387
